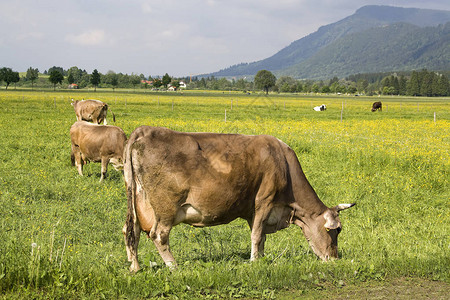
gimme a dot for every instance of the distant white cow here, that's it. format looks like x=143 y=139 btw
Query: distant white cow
x=320 y=108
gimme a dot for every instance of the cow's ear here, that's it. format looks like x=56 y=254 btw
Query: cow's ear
x=340 y=207
x=331 y=220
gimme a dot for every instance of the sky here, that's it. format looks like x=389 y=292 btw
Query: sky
x=154 y=37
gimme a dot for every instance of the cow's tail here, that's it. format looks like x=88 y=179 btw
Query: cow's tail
x=106 y=108
x=131 y=195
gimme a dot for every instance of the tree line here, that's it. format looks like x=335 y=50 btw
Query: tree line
x=78 y=78
x=415 y=83
x=422 y=83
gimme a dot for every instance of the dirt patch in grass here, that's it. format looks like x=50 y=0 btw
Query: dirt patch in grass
x=399 y=288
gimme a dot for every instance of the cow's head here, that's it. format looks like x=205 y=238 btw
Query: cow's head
x=74 y=102
x=322 y=231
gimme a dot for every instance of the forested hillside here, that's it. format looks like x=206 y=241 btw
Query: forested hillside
x=371 y=40
x=399 y=47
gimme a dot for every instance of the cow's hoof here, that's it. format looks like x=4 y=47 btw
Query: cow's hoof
x=172 y=265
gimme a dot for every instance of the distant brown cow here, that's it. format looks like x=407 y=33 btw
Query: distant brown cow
x=97 y=143
x=377 y=105
x=207 y=179
x=91 y=110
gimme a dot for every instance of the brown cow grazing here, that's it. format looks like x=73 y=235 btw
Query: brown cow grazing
x=97 y=143
x=377 y=105
x=92 y=111
x=207 y=179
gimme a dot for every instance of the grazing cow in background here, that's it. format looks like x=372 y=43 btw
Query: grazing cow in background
x=92 y=111
x=207 y=179
x=320 y=108
x=97 y=143
x=377 y=106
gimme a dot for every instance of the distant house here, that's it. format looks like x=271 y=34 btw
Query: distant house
x=182 y=85
x=147 y=82
x=171 y=88
x=73 y=86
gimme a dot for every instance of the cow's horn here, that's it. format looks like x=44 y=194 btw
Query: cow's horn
x=340 y=207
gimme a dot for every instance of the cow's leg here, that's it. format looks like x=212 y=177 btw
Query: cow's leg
x=131 y=244
x=78 y=159
x=105 y=162
x=258 y=236
x=261 y=244
x=160 y=236
x=79 y=167
x=257 y=247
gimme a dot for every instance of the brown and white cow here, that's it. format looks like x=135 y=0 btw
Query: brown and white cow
x=320 y=108
x=207 y=179
x=377 y=106
x=97 y=143
x=91 y=110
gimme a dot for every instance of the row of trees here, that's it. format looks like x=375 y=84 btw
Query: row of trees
x=79 y=78
x=416 y=83
x=421 y=83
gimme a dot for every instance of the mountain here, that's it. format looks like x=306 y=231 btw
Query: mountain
x=373 y=39
x=396 y=47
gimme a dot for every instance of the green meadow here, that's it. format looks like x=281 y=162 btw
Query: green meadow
x=61 y=233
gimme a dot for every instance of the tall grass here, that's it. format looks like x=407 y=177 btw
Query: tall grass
x=61 y=233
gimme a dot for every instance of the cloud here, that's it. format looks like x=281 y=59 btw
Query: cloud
x=89 y=38
x=30 y=36
x=146 y=8
x=208 y=45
